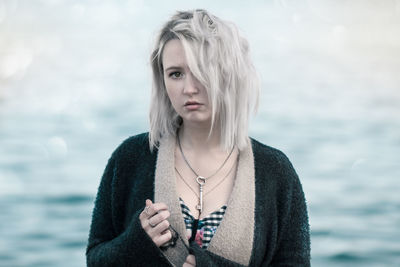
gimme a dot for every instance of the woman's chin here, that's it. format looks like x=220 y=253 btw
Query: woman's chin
x=196 y=119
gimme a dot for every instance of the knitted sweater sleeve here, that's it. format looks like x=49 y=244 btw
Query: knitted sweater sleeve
x=107 y=247
x=293 y=246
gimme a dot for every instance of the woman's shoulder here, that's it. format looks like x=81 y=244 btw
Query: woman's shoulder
x=271 y=160
x=136 y=140
x=133 y=146
x=268 y=153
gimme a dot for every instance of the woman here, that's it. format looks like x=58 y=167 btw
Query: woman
x=196 y=190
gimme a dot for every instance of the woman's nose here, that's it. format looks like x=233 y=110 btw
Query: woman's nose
x=191 y=84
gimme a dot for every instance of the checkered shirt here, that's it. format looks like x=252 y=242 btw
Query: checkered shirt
x=206 y=227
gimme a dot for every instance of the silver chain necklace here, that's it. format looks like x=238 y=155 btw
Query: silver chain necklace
x=201 y=180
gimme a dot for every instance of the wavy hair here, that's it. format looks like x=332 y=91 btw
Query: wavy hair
x=218 y=56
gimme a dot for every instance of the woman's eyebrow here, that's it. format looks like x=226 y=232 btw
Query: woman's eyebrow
x=173 y=68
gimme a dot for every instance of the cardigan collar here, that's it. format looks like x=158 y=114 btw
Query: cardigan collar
x=233 y=239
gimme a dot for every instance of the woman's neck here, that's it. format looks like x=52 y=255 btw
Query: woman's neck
x=197 y=138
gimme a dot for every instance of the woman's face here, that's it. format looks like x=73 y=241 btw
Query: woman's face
x=187 y=95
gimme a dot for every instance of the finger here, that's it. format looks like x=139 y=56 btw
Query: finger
x=155 y=208
x=146 y=211
x=162 y=238
x=191 y=259
x=159 y=228
x=152 y=208
x=159 y=217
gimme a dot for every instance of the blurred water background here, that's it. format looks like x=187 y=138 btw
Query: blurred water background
x=75 y=82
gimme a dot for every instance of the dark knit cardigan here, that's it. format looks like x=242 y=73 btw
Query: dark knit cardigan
x=281 y=230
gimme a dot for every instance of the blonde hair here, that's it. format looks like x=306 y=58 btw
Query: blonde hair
x=218 y=56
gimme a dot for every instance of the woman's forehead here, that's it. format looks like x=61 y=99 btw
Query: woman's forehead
x=174 y=55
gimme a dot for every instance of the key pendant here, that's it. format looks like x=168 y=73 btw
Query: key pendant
x=201 y=181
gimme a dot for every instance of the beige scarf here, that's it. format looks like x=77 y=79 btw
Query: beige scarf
x=233 y=239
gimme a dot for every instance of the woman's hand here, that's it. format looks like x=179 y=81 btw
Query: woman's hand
x=154 y=222
x=190 y=261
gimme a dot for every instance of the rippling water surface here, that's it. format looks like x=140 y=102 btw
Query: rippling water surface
x=74 y=83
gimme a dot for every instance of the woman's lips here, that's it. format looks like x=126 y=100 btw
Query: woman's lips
x=192 y=105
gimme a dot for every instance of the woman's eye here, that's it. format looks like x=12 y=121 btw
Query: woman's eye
x=175 y=75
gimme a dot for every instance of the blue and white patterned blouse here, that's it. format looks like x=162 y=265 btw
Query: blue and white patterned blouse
x=205 y=228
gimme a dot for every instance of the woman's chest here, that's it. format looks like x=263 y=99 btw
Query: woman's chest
x=215 y=193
